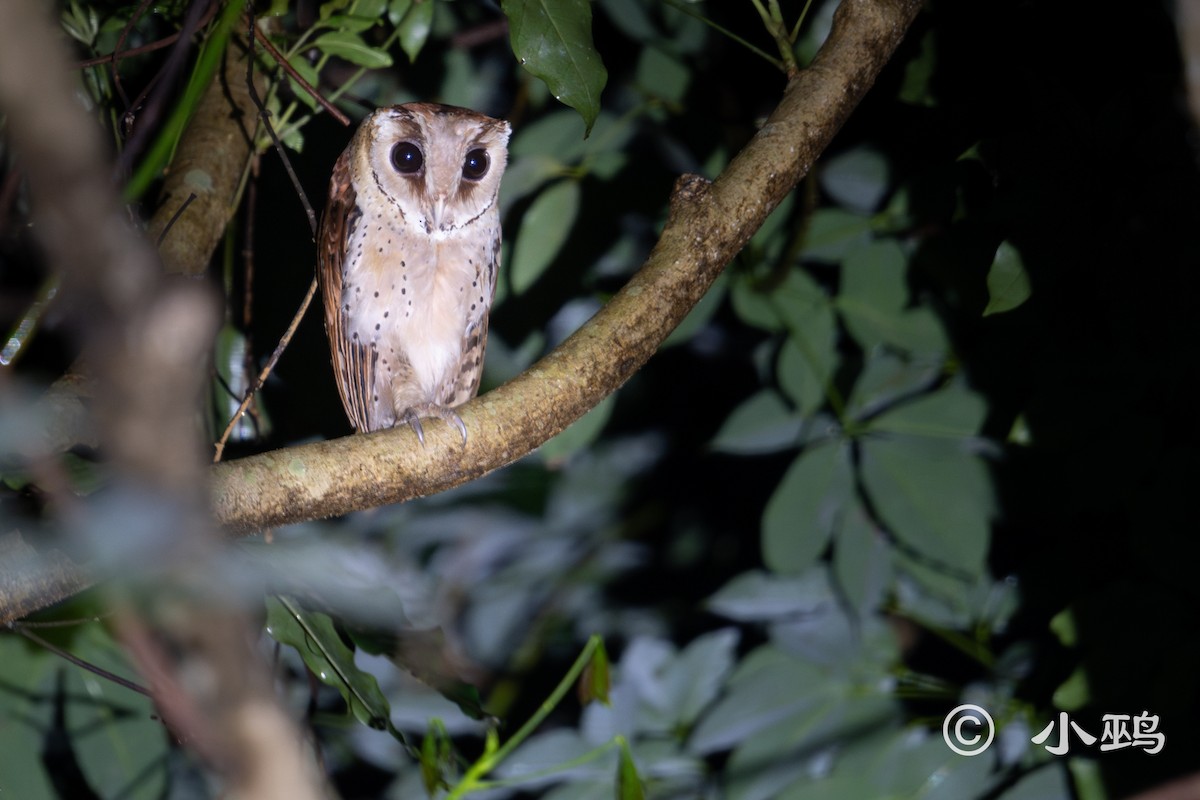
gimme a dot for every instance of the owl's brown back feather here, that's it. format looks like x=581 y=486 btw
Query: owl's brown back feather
x=353 y=363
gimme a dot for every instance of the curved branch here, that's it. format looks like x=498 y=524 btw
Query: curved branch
x=707 y=226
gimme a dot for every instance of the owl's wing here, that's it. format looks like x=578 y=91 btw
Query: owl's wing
x=474 y=343
x=353 y=364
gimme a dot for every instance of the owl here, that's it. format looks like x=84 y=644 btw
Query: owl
x=408 y=251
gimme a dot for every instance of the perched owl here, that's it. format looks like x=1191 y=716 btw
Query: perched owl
x=409 y=248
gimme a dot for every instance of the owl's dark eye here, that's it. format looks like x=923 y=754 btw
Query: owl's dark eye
x=475 y=165
x=407 y=158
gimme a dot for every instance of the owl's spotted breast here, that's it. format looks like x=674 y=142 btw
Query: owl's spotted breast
x=408 y=261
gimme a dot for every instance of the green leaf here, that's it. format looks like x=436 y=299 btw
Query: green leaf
x=862 y=561
x=544 y=230
x=315 y=638
x=596 y=680
x=807 y=358
x=662 y=76
x=803 y=510
x=1048 y=782
x=951 y=412
x=120 y=745
x=351 y=23
x=886 y=378
x=552 y=39
x=1007 y=281
x=414 y=20
x=832 y=233
x=629 y=784
x=873 y=297
x=761 y=424
x=932 y=495
x=758 y=596
x=27 y=711
x=857 y=179
x=786 y=306
x=306 y=70
x=352 y=48
x=437 y=757
x=526 y=175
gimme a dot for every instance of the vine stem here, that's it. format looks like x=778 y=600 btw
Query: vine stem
x=493 y=756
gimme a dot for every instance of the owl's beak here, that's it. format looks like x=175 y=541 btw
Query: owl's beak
x=439 y=208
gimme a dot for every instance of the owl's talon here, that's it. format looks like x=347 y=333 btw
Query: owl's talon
x=414 y=415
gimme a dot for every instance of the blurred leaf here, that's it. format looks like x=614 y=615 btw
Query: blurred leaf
x=578 y=434
x=857 y=179
x=788 y=306
x=761 y=424
x=932 y=495
x=862 y=560
x=437 y=757
x=757 y=596
x=27 y=712
x=661 y=76
x=918 y=74
x=352 y=48
x=352 y=23
x=414 y=20
x=117 y=739
x=559 y=134
x=544 y=230
x=1008 y=283
x=766 y=687
x=873 y=297
x=630 y=17
x=1074 y=693
x=698 y=673
x=804 y=508
x=526 y=175
x=808 y=357
x=1048 y=782
x=832 y=233
x=629 y=783
x=426 y=656
x=552 y=39
x=953 y=412
x=886 y=378
x=315 y=638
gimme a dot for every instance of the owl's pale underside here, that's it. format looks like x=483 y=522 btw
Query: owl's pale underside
x=408 y=251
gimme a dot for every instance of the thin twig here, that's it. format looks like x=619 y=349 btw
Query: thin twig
x=265 y=116
x=114 y=56
x=112 y=64
x=294 y=75
x=170 y=70
x=174 y=218
x=79 y=662
x=284 y=341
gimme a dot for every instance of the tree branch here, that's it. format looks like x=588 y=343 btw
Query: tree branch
x=708 y=225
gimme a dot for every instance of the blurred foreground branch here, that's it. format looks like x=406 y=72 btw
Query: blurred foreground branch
x=708 y=225
x=145 y=337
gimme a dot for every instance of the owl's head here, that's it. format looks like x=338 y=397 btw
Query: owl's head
x=440 y=165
